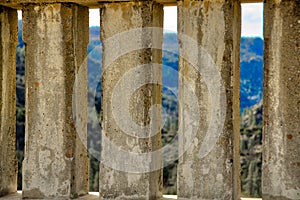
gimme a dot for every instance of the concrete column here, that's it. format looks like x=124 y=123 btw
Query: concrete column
x=8 y=161
x=209 y=36
x=56 y=163
x=131 y=139
x=281 y=141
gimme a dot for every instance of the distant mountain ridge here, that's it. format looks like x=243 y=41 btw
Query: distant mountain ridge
x=251 y=65
x=251 y=71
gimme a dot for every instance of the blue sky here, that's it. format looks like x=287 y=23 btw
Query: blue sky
x=252 y=18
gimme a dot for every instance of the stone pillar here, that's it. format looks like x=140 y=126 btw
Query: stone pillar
x=131 y=165
x=209 y=37
x=56 y=38
x=8 y=161
x=281 y=141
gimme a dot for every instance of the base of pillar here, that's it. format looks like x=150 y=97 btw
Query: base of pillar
x=95 y=196
x=18 y=196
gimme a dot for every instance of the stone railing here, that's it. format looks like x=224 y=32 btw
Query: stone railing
x=56 y=37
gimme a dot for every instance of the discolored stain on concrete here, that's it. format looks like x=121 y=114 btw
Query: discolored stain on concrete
x=36 y=84
x=289 y=136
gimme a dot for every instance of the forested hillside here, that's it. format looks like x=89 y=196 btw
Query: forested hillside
x=251 y=71
x=251 y=150
x=251 y=94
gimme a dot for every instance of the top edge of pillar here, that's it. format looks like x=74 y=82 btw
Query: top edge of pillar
x=18 y=4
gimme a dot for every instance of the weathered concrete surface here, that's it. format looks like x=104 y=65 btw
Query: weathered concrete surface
x=95 y=195
x=8 y=43
x=281 y=143
x=90 y=3
x=56 y=38
x=18 y=196
x=209 y=36
x=131 y=84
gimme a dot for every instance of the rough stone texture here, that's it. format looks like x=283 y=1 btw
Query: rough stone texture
x=8 y=43
x=18 y=196
x=129 y=86
x=281 y=150
x=95 y=195
x=209 y=36
x=56 y=38
x=90 y=3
